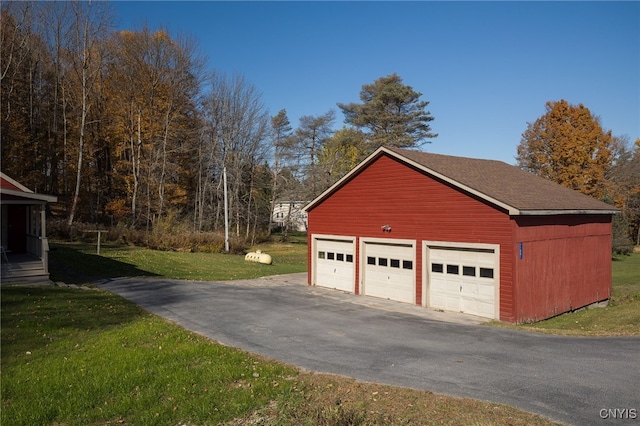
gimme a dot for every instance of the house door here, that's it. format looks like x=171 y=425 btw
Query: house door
x=17 y=228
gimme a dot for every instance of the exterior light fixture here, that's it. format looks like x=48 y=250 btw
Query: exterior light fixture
x=386 y=228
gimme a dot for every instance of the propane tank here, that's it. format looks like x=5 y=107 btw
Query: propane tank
x=258 y=257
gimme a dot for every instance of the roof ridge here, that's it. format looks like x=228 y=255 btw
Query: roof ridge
x=506 y=183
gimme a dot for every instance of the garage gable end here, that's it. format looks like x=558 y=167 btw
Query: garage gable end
x=504 y=186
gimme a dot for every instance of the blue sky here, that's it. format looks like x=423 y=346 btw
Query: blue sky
x=487 y=68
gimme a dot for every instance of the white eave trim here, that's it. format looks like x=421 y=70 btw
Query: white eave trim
x=557 y=212
x=27 y=195
x=15 y=183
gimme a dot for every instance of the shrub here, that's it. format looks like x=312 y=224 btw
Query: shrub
x=621 y=243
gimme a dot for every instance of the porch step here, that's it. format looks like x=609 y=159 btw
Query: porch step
x=30 y=279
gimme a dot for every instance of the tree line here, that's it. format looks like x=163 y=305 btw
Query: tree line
x=130 y=128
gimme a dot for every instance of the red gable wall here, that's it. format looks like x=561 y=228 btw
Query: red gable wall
x=5 y=184
x=416 y=207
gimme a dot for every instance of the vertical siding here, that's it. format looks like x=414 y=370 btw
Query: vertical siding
x=417 y=208
x=566 y=264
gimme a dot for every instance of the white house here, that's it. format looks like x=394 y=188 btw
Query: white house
x=289 y=214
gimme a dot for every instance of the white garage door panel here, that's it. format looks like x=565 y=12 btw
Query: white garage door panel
x=335 y=264
x=463 y=280
x=389 y=271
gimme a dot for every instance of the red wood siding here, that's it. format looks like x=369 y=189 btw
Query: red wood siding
x=565 y=265
x=8 y=185
x=416 y=208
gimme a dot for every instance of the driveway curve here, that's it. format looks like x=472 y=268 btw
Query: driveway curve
x=574 y=380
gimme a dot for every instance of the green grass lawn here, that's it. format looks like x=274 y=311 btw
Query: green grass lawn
x=77 y=263
x=88 y=357
x=620 y=317
x=83 y=357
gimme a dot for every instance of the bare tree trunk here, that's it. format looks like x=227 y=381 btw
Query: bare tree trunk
x=163 y=167
x=76 y=194
x=83 y=123
x=65 y=177
x=91 y=22
x=249 y=206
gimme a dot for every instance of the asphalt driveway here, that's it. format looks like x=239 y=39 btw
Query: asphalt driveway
x=568 y=379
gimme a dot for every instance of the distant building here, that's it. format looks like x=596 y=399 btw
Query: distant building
x=289 y=215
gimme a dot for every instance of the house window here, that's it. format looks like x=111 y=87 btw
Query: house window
x=437 y=267
x=371 y=260
x=453 y=269
x=340 y=257
x=407 y=264
x=321 y=255
x=331 y=255
x=350 y=258
x=382 y=261
x=395 y=263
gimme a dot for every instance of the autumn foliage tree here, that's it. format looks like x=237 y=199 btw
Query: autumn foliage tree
x=567 y=145
x=152 y=83
x=25 y=105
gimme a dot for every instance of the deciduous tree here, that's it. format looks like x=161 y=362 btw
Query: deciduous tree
x=567 y=145
x=235 y=131
x=280 y=134
x=91 y=26
x=625 y=188
x=24 y=62
x=310 y=137
x=153 y=82
x=341 y=153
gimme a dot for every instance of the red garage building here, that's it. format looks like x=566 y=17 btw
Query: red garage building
x=460 y=234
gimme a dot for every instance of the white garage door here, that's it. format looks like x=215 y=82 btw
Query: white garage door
x=334 y=263
x=389 y=271
x=463 y=280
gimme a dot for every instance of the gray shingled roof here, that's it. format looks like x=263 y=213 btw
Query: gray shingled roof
x=501 y=184
x=507 y=184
